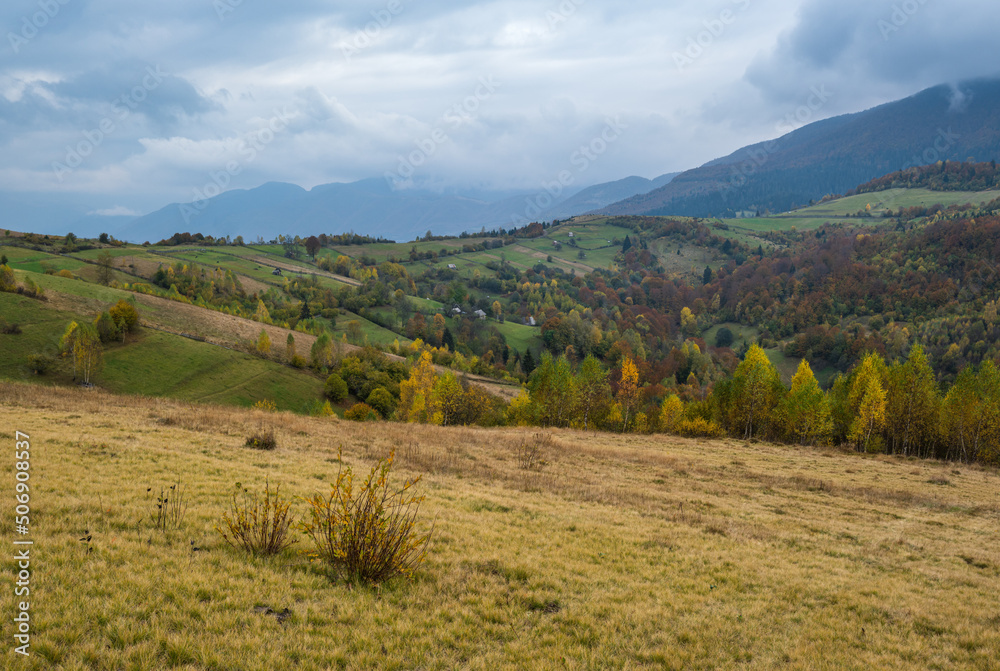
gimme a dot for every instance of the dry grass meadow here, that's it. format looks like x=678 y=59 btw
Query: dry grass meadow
x=614 y=553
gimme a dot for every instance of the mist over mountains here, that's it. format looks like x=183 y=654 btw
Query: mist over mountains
x=832 y=156
x=367 y=206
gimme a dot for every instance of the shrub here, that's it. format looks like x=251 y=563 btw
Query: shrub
x=170 y=508
x=65 y=273
x=39 y=363
x=335 y=388
x=265 y=404
x=298 y=361
x=382 y=401
x=361 y=412
x=125 y=315
x=698 y=428
x=257 y=524
x=7 y=280
x=530 y=453
x=107 y=330
x=367 y=534
x=10 y=329
x=724 y=337
x=262 y=439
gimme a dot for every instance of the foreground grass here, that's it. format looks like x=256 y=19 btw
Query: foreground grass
x=621 y=552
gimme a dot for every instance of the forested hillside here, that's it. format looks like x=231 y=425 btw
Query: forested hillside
x=635 y=324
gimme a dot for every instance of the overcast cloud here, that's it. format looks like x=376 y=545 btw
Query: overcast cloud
x=143 y=103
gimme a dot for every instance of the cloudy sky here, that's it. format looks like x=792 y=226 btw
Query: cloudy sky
x=144 y=103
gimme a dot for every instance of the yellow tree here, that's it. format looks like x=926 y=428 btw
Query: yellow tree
x=592 y=390
x=870 y=420
x=67 y=341
x=628 y=390
x=756 y=391
x=290 y=347
x=416 y=392
x=125 y=315
x=689 y=323
x=264 y=343
x=670 y=412
x=872 y=366
x=805 y=411
x=87 y=351
x=970 y=417
x=497 y=310
x=83 y=344
x=262 y=315
x=870 y=374
x=7 y=280
x=912 y=405
x=447 y=400
x=520 y=412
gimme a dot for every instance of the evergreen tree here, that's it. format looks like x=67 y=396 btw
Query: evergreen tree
x=528 y=363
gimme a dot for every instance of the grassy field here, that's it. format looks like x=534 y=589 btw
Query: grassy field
x=163 y=364
x=371 y=332
x=620 y=553
x=594 y=237
x=741 y=334
x=154 y=363
x=895 y=199
x=521 y=337
x=843 y=210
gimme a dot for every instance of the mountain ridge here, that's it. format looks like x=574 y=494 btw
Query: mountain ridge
x=834 y=155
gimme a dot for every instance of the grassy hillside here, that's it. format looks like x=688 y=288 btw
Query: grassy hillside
x=153 y=363
x=844 y=210
x=634 y=553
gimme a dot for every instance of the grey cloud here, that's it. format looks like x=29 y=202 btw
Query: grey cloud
x=565 y=66
x=145 y=88
x=889 y=49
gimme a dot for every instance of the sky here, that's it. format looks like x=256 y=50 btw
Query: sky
x=138 y=104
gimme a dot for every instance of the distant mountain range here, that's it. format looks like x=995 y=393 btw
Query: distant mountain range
x=366 y=206
x=831 y=156
x=835 y=155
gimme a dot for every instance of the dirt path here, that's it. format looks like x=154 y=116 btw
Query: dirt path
x=274 y=263
x=558 y=261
